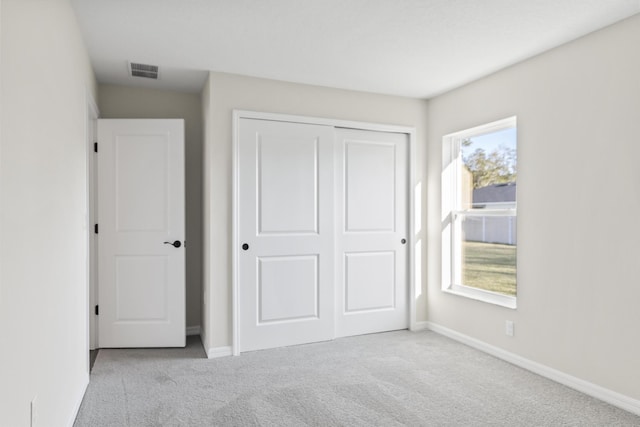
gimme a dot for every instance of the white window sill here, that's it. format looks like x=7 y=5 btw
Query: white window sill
x=482 y=295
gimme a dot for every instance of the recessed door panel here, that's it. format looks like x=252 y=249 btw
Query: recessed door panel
x=287 y=184
x=283 y=280
x=370 y=281
x=141 y=163
x=142 y=278
x=369 y=196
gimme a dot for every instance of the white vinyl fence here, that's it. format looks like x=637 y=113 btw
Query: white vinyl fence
x=490 y=229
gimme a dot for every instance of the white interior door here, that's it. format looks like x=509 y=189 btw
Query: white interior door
x=141 y=285
x=285 y=254
x=372 y=232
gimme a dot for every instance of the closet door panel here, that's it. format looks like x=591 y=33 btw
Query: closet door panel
x=371 y=250
x=285 y=272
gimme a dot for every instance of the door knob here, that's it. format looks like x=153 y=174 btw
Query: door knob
x=175 y=244
x=245 y=246
x=403 y=241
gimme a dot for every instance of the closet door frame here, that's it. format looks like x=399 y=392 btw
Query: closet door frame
x=377 y=127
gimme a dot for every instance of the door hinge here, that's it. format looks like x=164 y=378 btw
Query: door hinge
x=95 y=147
x=95 y=228
x=97 y=310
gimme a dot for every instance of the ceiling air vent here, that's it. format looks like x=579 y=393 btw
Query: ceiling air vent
x=144 y=70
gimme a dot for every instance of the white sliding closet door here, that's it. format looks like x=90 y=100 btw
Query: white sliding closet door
x=285 y=213
x=322 y=232
x=371 y=238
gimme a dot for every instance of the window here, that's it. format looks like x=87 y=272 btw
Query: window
x=479 y=212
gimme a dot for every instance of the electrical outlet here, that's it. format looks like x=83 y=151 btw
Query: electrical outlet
x=509 y=328
x=34 y=411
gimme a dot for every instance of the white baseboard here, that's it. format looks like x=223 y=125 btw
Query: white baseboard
x=193 y=330
x=419 y=326
x=76 y=406
x=614 y=398
x=213 y=353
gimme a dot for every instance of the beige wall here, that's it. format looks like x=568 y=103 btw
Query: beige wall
x=206 y=213
x=578 y=109
x=125 y=102
x=226 y=92
x=45 y=77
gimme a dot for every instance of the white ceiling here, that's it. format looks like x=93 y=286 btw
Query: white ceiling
x=416 y=48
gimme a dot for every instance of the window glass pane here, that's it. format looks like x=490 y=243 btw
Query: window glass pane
x=489 y=170
x=488 y=249
x=488 y=181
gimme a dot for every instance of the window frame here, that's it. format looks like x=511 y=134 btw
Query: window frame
x=453 y=213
